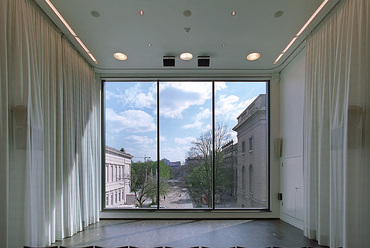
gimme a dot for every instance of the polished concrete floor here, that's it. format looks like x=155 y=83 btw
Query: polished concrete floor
x=189 y=233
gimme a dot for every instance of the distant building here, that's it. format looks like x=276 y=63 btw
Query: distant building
x=117 y=177
x=166 y=161
x=175 y=164
x=252 y=171
x=230 y=152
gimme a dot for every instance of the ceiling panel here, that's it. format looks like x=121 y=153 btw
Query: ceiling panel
x=120 y=28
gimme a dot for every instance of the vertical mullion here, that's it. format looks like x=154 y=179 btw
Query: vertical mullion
x=213 y=146
x=158 y=151
x=102 y=112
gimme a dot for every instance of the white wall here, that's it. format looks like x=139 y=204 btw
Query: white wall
x=292 y=80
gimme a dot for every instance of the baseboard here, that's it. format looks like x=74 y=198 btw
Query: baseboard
x=292 y=221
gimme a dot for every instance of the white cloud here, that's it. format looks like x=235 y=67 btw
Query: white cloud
x=139 y=140
x=184 y=141
x=175 y=97
x=133 y=121
x=134 y=97
x=233 y=136
x=207 y=128
x=219 y=85
x=203 y=115
x=140 y=147
x=174 y=153
x=196 y=125
x=230 y=107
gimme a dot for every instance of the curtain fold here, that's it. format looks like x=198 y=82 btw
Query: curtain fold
x=337 y=128
x=4 y=127
x=55 y=177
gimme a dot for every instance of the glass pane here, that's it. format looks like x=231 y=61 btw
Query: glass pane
x=241 y=145
x=131 y=144
x=185 y=112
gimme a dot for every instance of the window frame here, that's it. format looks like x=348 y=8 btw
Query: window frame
x=213 y=209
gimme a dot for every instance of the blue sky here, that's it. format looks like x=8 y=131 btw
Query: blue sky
x=185 y=113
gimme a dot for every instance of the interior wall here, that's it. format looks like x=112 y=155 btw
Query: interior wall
x=292 y=80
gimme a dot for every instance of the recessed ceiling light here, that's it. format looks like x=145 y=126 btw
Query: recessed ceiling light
x=223 y=45
x=95 y=13
x=187 y=13
x=120 y=56
x=186 y=56
x=141 y=12
x=253 y=56
x=149 y=44
x=278 y=13
x=233 y=13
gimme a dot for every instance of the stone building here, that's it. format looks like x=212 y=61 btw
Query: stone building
x=117 y=177
x=252 y=172
x=229 y=152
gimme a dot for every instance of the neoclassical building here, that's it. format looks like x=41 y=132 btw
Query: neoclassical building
x=252 y=168
x=117 y=177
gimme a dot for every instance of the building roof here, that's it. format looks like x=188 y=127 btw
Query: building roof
x=259 y=104
x=113 y=151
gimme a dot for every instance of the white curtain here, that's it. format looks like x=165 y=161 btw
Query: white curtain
x=337 y=128
x=50 y=131
x=4 y=134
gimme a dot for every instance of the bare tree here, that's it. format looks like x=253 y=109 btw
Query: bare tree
x=144 y=181
x=200 y=169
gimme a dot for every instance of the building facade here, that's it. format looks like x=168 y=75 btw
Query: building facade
x=117 y=177
x=252 y=168
x=230 y=153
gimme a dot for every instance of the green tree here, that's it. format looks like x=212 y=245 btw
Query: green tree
x=200 y=171
x=144 y=180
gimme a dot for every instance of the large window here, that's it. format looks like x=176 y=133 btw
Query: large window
x=181 y=144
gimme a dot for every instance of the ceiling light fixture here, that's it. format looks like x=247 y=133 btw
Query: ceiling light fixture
x=233 y=13
x=278 y=13
x=187 y=13
x=95 y=13
x=253 y=56
x=149 y=44
x=301 y=30
x=186 y=56
x=71 y=30
x=223 y=45
x=120 y=56
x=141 y=12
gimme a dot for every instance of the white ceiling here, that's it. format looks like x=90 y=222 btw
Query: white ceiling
x=120 y=28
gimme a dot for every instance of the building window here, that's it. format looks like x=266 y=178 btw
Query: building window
x=106 y=199
x=251 y=144
x=111 y=199
x=251 y=177
x=243 y=178
x=200 y=124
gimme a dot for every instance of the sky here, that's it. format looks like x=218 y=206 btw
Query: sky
x=185 y=112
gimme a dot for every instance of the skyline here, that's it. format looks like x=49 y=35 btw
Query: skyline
x=185 y=112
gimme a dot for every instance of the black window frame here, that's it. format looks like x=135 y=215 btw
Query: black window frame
x=213 y=209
